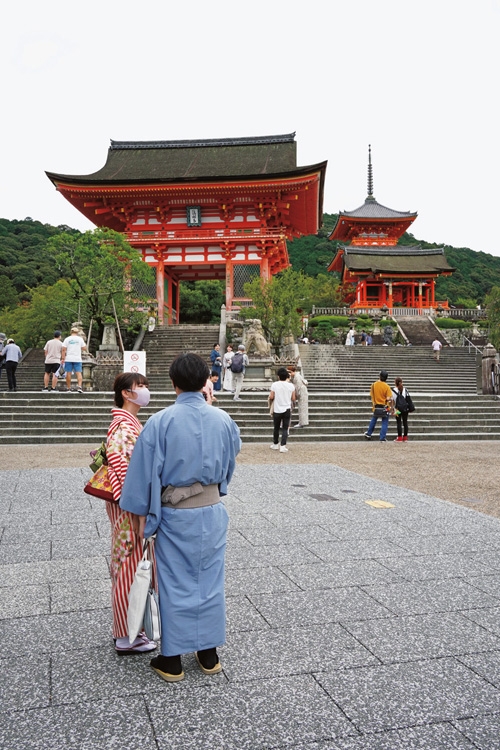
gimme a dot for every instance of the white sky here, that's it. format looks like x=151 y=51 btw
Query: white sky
x=419 y=81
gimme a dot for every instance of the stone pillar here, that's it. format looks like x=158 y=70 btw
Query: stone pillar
x=488 y=364
x=420 y=301
x=222 y=328
x=87 y=371
x=109 y=347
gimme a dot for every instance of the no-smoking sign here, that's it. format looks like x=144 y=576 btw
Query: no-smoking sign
x=134 y=362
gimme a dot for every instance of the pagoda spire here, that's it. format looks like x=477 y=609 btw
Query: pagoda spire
x=370 y=175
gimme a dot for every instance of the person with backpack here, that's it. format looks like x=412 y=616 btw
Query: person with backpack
x=403 y=405
x=238 y=364
x=2 y=356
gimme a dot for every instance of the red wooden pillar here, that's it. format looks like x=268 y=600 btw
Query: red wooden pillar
x=229 y=283
x=264 y=268
x=433 y=291
x=170 y=301
x=389 y=302
x=160 y=289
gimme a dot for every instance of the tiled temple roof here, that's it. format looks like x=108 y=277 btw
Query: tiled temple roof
x=400 y=259
x=212 y=159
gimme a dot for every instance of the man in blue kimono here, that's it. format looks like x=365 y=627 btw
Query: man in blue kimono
x=181 y=465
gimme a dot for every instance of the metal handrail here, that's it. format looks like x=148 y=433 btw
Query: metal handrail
x=470 y=343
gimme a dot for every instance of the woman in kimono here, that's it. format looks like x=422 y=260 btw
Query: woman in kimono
x=302 y=395
x=227 y=383
x=131 y=393
x=179 y=471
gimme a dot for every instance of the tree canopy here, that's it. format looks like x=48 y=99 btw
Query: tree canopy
x=93 y=270
x=276 y=302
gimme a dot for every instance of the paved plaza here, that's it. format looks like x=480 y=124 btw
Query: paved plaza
x=351 y=626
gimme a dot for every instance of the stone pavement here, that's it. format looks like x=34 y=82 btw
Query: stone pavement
x=350 y=627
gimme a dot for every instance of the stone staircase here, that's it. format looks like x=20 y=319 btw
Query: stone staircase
x=161 y=346
x=445 y=395
x=47 y=418
x=351 y=369
x=421 y=331
x=164 y=343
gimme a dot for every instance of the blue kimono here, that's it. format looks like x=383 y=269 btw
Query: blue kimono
x=186 y=443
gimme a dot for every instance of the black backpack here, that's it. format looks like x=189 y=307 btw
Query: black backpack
x=403 y=403
x=237 y=362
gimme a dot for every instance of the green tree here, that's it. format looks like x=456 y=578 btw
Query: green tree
x=201 y=301
x=493 y=310
x=277 y=303
x=103 y=268
x=51 y=307
x=8 y=293
x=325 y=290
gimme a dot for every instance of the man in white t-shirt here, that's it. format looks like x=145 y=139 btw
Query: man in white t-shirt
x=437 y=346
x=72 y=357
x=282 y=395
x=53 y=351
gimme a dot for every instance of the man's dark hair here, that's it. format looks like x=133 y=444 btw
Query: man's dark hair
x=189 y=372
x=283 y=373
x=124 y=382
x=57 y=334
x=384 y=375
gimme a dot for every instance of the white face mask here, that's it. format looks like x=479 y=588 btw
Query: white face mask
x=141 y=396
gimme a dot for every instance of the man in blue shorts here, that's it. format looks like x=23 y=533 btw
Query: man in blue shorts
x=72 y=356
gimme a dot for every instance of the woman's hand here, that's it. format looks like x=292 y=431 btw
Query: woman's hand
x=138 y=524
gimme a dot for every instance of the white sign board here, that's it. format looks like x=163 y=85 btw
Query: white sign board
x=134 y=362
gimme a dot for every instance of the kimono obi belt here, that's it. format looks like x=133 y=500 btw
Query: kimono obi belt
x=196 y=495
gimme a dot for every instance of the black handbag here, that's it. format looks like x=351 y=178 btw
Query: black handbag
x=380 y=411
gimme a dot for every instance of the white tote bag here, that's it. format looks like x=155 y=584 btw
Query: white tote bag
x=138 y=595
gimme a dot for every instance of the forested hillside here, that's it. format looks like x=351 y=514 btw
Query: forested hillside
x=24 y=265
x=23 y=262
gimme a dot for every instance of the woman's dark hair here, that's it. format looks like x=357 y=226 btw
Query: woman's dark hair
x=189 y=372
x=124 y=382
x=283 y=373
x=214 y=374
x=399 y=382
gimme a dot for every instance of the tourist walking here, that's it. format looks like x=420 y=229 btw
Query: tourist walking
x=216 y=360
x=71 y=355
x=403 y=405
x=381 y=396
x=12 y=354
x=53 y=352
x=282 y=396
x=302 y=397
x=181 y=466
x=131 y=393
x=350 y=339
x=238 y=365
x=436 y=348
x=227 y=383
x=2 y=357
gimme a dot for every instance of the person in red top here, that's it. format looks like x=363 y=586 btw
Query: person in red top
x=131 y=392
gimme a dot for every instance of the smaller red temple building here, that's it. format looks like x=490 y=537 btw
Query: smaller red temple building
x=378 y=270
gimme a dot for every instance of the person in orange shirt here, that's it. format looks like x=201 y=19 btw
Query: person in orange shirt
x=381 y=396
